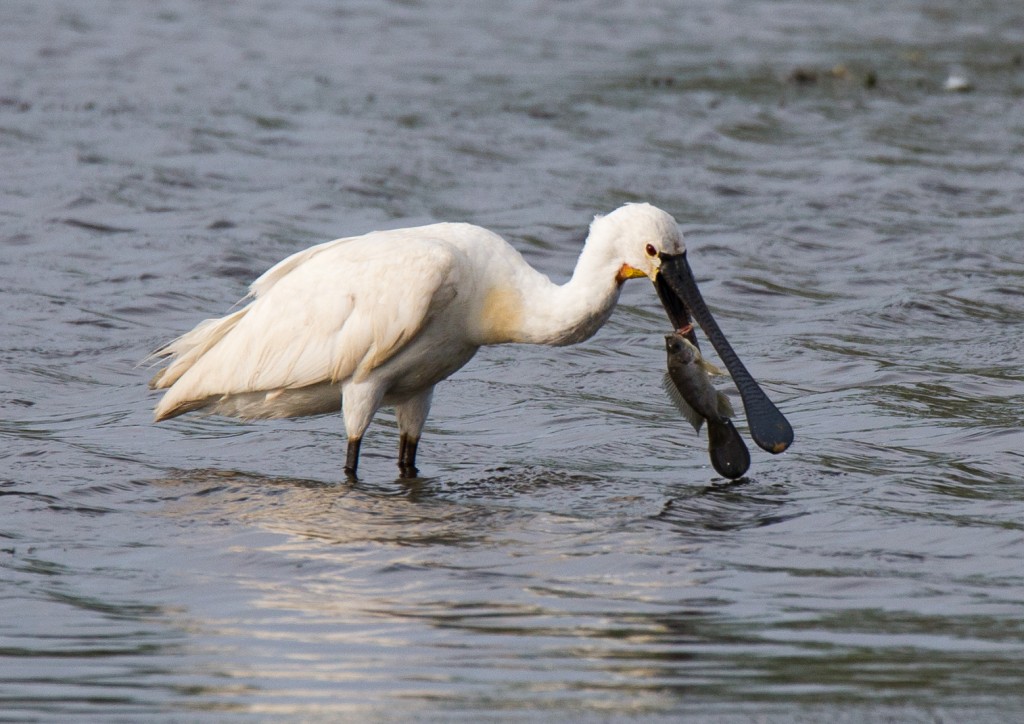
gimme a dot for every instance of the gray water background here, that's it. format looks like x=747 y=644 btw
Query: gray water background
x=568 y=553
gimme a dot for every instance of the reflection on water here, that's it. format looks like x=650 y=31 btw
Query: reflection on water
x=727 y=507
x=568 y=552
x=653 y=607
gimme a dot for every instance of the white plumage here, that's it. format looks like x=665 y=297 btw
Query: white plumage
x=380 y=319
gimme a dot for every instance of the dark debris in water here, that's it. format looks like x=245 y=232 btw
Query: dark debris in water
x=16 y=104
x=802 y=76
x=97 y=226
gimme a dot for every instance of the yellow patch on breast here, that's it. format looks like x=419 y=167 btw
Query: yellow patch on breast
x=502 y=315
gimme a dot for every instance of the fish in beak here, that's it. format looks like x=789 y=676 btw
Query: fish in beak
x=682 y=300
x=688 y=384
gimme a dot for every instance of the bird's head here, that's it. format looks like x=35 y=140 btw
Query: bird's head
x=642 y=234
x=649 y=244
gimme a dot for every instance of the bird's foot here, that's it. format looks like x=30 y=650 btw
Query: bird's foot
x=352 y=458
x=407 y=456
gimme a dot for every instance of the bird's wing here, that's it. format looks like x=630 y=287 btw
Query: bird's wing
x=331 y=312
x=270 y=277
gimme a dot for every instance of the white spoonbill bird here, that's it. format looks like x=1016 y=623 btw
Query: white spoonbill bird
x=379 y=319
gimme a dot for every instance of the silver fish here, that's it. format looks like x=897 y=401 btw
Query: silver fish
x=689 y=386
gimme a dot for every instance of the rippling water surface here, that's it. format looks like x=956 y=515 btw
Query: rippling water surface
x=569 y=553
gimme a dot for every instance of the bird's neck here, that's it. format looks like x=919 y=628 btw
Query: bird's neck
x=538 y=311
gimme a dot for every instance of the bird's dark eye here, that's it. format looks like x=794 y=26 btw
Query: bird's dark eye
x=651 y=251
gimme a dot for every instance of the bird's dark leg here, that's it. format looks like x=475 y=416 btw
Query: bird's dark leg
x=352 y=458
x=407 y=455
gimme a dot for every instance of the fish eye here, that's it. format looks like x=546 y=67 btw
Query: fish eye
x=651 y=251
